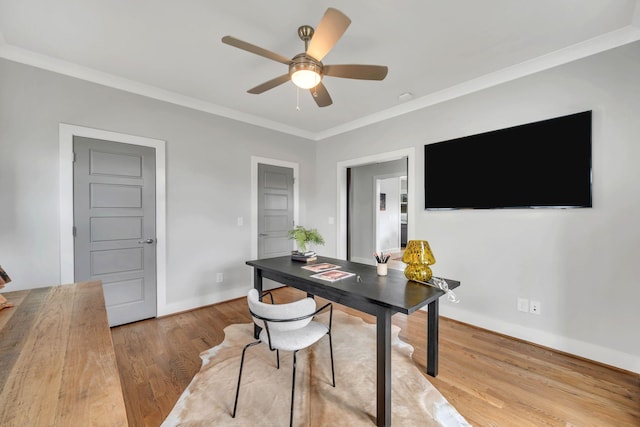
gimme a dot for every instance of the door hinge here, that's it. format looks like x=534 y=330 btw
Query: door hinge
x=73 y=231
x=73 y=157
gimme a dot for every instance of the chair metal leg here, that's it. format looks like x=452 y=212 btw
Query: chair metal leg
x=333 y=372
x=293 y=388
x=278 y=357
x=235 y=404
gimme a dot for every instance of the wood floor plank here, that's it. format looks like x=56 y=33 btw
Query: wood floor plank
x=491 y=379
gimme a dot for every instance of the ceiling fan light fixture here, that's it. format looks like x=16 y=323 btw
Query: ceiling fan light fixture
x=305 y=72
x=306 y=79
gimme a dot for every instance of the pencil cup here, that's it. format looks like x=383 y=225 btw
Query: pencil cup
x=382 y=269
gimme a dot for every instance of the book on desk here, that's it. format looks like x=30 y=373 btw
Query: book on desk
x=307 y=256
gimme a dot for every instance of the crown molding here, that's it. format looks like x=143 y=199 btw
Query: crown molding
x=70 y=69
x=571 y=53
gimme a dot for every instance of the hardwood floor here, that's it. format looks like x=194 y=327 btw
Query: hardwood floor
x=492 y=380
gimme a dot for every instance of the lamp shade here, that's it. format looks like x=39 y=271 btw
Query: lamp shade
x=305 y=79
x=418 y=252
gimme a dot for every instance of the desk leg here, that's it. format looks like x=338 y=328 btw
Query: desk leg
x=257 y=284
x=432 y=338
x=383 y=368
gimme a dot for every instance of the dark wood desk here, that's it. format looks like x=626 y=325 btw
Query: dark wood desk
x=372 y=294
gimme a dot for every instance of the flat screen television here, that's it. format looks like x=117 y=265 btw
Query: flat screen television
x=545 y=164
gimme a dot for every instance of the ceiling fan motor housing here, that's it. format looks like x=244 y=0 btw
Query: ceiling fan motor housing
x=303 y=61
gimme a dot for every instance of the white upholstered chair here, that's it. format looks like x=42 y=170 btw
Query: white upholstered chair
x=287 y=327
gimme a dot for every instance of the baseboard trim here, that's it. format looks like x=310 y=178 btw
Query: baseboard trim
x=202 y=301
x=593 y=352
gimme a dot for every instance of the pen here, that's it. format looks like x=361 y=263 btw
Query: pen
x=382 y=259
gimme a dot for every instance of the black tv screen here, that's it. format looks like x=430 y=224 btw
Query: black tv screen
x=545 y=164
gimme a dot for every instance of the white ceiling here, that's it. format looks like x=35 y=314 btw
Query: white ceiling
x=436 y=50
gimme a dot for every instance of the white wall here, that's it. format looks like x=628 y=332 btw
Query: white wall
x=581 y=263
x=208 y=173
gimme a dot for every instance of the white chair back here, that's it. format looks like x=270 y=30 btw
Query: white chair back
x=291 y=310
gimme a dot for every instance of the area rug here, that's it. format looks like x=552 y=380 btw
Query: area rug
x=265 y=392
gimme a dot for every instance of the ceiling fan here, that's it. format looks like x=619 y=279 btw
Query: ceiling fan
x=306 y=69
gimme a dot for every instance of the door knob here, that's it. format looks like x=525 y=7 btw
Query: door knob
x=147 y=241
x=263 y=234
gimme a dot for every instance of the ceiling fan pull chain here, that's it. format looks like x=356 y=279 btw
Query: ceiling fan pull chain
x=297 y=99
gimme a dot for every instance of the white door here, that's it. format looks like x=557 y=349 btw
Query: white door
x=114 y=223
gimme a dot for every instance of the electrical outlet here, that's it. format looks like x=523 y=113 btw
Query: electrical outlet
x=534 y=307
x=523 y=305
x=219 y=277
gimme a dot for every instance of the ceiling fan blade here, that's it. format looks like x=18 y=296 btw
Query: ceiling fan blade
x=321 y=95
x=356 y=71
x=232 y=41
x=270 y=84
x=331 y=27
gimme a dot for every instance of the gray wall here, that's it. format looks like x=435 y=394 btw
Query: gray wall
x=208 y=172
x=580 y=263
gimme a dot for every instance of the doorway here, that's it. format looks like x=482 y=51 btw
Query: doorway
x=67 y=260
x=275 y=210
x=357 y=205
x=115 y=225
x=256 y=216
x=255 y=162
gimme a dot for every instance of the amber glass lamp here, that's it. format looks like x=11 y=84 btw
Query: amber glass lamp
x=418 y=257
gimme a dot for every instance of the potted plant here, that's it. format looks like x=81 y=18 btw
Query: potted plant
x=304 y=236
